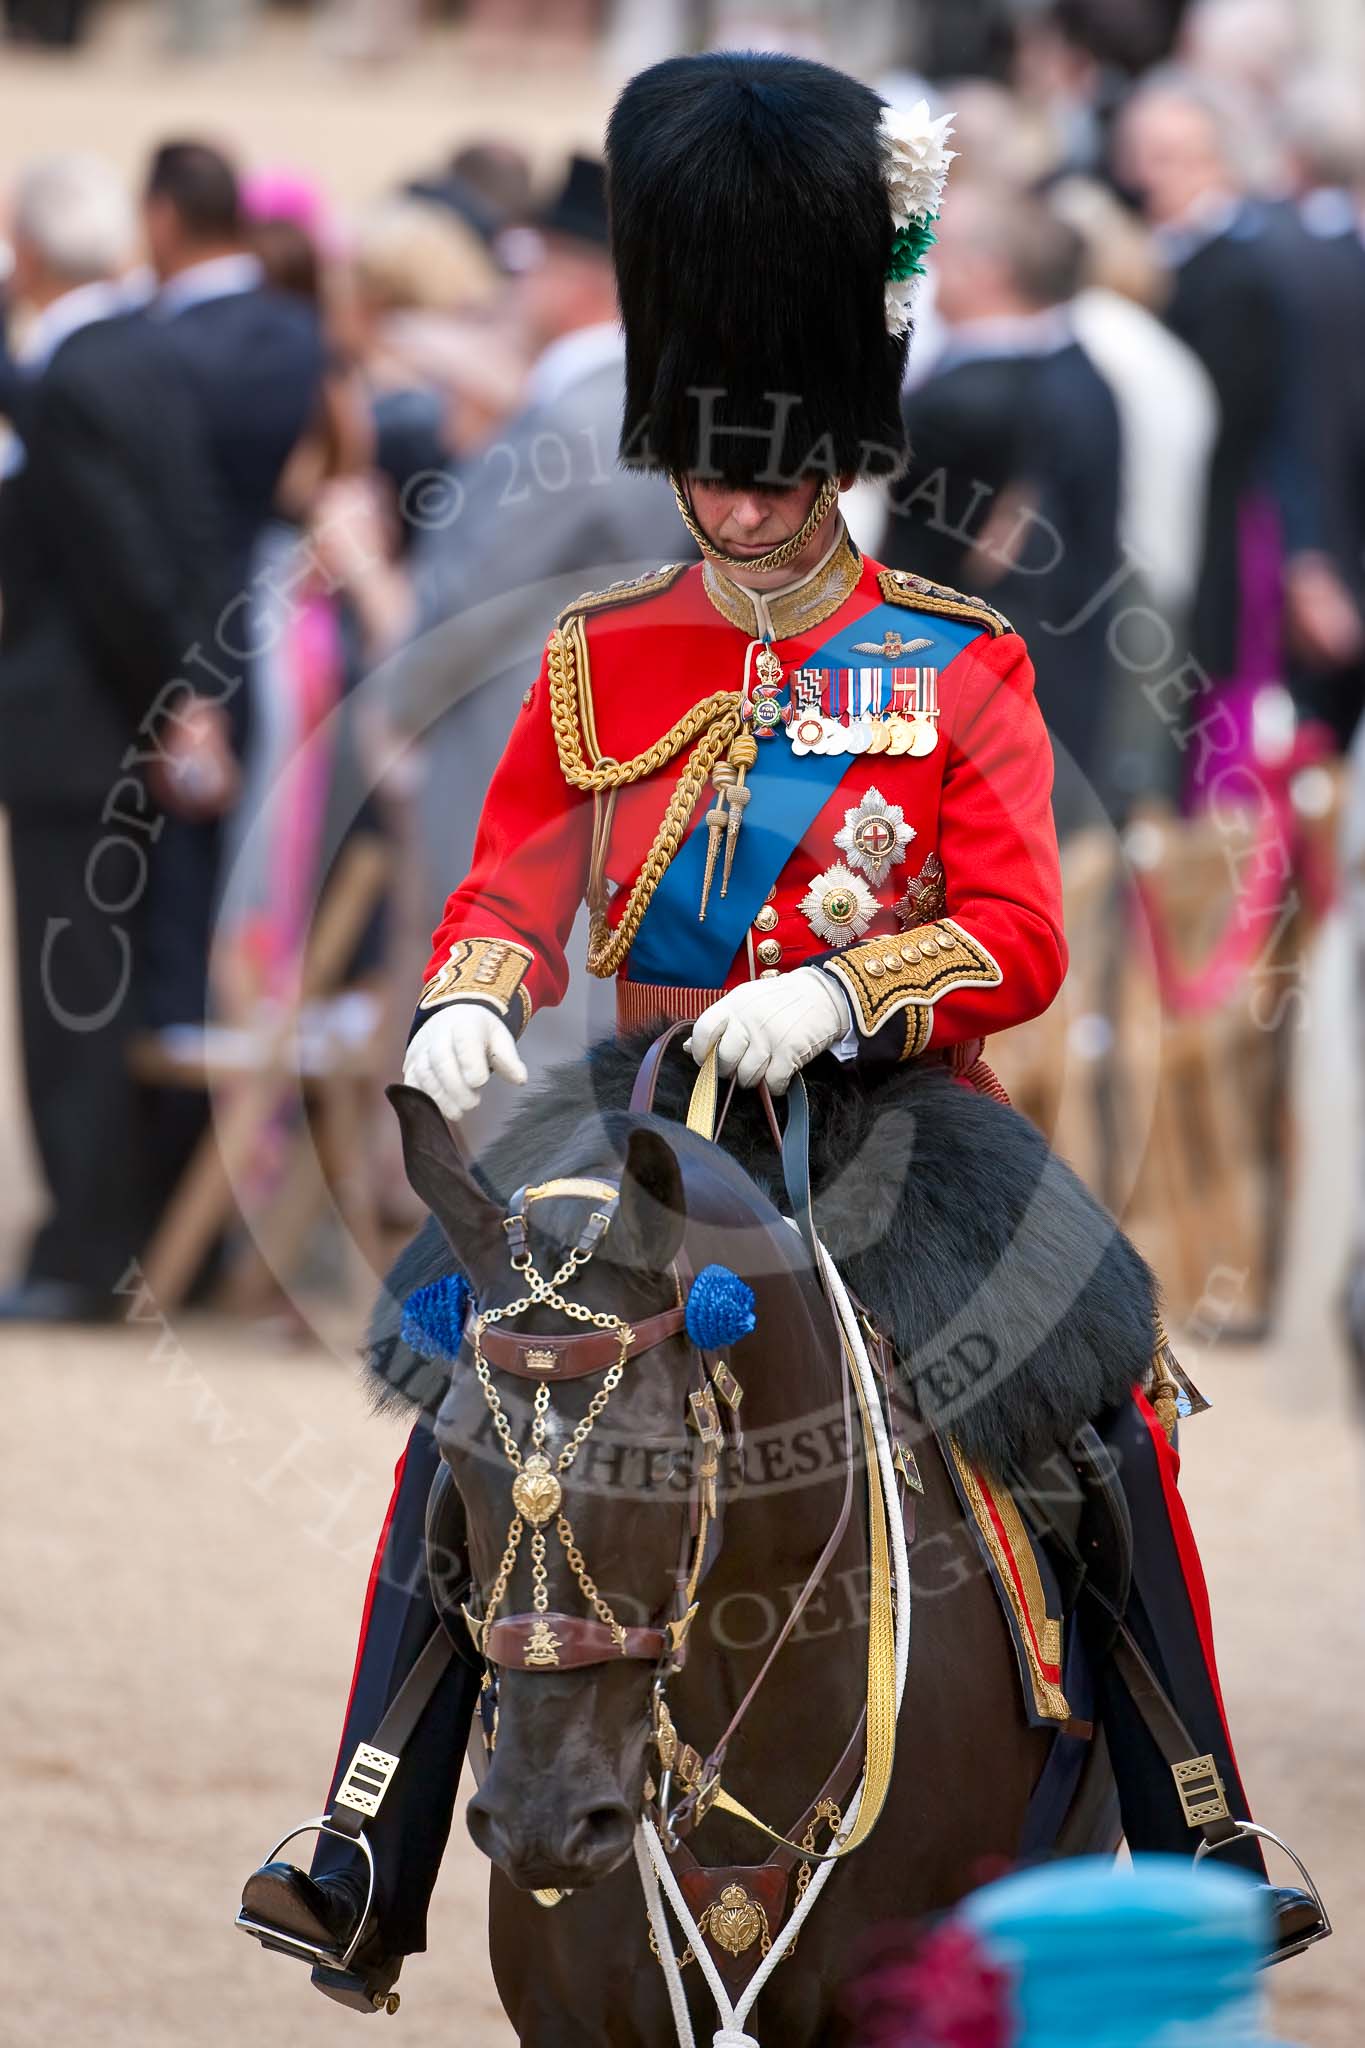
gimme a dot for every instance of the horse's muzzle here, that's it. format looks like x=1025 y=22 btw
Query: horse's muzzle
x=575 y=1843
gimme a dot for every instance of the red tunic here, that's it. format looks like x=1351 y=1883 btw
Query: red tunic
x=985 y=949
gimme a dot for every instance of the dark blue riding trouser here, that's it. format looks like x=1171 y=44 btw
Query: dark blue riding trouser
x=408 y=1834
x=1168 y=1615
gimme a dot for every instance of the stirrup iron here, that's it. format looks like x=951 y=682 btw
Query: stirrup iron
x=1320 y=1933
x=335 y=1963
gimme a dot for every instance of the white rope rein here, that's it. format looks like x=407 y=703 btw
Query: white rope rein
x=650 y=1858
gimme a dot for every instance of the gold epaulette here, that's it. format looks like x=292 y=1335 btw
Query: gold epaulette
x=630 y=590
x=918 y=594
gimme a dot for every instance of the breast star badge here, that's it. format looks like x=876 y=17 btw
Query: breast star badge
x=874 y=837
x=838 y=906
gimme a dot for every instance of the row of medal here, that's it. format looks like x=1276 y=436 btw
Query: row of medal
x=851 y=710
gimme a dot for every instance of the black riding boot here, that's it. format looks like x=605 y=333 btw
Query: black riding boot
x=408 y=1833
x=1167 y=1616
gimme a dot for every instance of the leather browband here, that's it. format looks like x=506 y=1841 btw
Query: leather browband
x=579 y=1639
x=573 y=1358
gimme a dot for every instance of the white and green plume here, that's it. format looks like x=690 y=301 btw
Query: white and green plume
x=915 y=158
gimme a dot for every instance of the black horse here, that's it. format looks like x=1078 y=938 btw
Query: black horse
x=1021 y=1311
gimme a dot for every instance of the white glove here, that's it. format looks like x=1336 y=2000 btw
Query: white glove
x=767 y=1029
x=450 y=1058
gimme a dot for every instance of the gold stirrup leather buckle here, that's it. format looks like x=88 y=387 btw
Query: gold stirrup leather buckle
x=367 y=1779
x=1202 y=1796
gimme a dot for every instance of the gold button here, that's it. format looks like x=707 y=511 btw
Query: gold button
x=766 y=919
x=874 y=967
x=769 y=952
x=767 y=974
x=771 y=894
x=910 y=954
x=891 y=962
x=929 y=946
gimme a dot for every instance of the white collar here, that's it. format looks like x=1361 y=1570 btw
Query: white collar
x=1328 y=211
x=1006 y=334
x=1200 y=224
x=81 y=307
x=217 y=277
x=572 y=358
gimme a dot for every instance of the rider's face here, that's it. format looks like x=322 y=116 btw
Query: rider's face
x=750 y=520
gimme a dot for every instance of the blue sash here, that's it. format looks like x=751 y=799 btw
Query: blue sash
x=672 y=948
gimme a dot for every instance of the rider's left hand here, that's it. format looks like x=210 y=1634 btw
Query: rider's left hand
x=765 y=1030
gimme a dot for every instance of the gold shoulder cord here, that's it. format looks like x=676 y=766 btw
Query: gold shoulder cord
x=712 y=724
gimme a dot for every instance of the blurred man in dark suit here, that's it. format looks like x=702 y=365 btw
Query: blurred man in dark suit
x=253 y=355
x=1180 y=146
x=1012 y=489
x=253 y=359
x=108 y=553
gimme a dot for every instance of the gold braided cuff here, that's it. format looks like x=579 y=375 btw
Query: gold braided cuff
x=488 y=971
x=911 y=972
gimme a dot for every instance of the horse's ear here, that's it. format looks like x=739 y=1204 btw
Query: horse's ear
x=647 y=1227
x=437 y=1170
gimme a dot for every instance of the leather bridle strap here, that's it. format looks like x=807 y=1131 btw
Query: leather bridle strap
x=647 y=1083
x=580 y=1640
x=685 y=1817
x=647 y=1079
x=573 y=1358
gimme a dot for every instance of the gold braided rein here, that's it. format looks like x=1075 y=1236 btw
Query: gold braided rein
x=712 y=724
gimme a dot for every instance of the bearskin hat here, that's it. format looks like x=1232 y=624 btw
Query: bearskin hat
x=751 y=233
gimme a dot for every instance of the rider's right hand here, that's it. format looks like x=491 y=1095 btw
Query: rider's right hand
x=451 y=1057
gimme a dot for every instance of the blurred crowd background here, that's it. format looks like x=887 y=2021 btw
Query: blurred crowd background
x=299 y=463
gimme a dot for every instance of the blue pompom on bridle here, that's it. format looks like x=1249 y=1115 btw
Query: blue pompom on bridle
x=720 y=1309
x=434 y=1317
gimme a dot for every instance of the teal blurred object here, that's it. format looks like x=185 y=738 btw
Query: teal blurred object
x=1162 y=1954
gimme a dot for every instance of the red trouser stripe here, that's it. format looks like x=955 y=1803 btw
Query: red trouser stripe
x=1168 y=1467
x=375 y=1570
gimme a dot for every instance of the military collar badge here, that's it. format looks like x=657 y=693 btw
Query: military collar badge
x=926 y=895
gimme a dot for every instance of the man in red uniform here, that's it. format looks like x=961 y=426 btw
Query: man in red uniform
x=806 y=799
